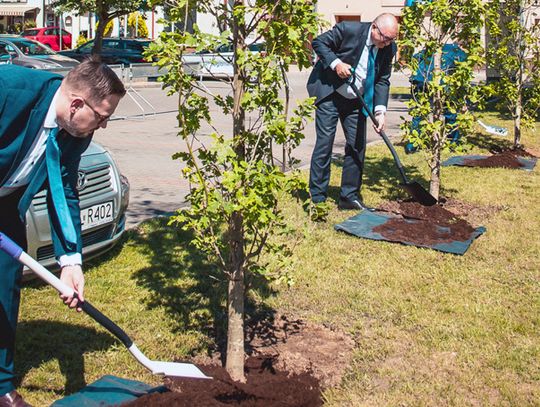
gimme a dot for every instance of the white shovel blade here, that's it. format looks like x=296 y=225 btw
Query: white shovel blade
x=177 y=369
x=496 y=130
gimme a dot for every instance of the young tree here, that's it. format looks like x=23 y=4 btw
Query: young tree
x=105 y=10
x=235 y=183
x=514 y=52
x=428 y=26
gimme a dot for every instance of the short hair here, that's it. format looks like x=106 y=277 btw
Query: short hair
x=95 y=79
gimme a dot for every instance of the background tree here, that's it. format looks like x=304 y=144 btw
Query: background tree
x=105 y=11
x=236 y=183
x=108 y=28
x=427 y=27
x=137 y=25
x=514 y=52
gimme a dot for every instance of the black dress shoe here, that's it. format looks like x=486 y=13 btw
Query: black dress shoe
x=13 y=399
x=355 y=204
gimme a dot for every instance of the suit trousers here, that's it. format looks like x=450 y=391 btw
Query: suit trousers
x=10 y=288
x=331 y=109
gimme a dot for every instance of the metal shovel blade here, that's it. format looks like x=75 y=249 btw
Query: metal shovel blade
x=419 y=193
x=177 y=370
x=167 y=368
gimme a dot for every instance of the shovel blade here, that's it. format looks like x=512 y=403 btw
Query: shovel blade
x=419 y=193
x=177 y=370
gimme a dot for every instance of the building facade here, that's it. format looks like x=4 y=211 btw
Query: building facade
x=335 y=11
x=13 y=13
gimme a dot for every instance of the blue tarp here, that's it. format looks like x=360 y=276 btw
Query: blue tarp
x=108 y=391
x=527 y=163
x=362 y=225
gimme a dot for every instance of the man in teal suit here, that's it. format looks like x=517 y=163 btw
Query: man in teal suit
x=46 y=123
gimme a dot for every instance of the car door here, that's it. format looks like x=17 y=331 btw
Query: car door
x=66 y=38
x=5 y=57
x=111 y=51
x=51 y=39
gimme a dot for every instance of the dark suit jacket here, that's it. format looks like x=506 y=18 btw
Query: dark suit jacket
x=346 y=41
x=25 y=97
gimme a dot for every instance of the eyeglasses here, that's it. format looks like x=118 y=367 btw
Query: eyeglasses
x=384 y=37
x=100 y=117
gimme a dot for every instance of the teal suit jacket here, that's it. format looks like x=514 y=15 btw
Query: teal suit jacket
x=25 y=97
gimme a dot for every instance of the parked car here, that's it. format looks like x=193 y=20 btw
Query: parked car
x=218 y=62
x=32 y=54
x=114 y=50
x=49 y=36
x=104 y=197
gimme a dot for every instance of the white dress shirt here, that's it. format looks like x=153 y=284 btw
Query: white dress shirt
x=34 y=156
x=346 y=90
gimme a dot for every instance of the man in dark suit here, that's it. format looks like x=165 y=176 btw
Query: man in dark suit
x=367 y=49
x=46 y=123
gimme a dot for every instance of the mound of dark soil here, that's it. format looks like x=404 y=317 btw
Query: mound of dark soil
x=504 y=158
x=433 y=224
x=265 y=387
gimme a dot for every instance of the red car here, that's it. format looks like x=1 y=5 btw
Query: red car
x=49 y=36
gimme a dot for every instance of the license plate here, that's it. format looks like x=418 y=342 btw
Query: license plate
x=97 y=215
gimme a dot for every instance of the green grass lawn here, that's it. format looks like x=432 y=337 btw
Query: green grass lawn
x=431 y=328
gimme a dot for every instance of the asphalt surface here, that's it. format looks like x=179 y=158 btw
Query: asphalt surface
x=143 y=137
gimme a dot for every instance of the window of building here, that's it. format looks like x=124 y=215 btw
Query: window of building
x=340 y=18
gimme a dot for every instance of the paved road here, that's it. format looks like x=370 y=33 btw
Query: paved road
x=143 y=146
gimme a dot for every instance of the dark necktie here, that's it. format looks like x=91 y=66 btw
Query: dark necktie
x=369 y=83
x=56 y=187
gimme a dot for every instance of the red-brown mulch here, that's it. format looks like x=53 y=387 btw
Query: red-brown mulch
x=432 y=224
x=265 y=387
x=505 y=159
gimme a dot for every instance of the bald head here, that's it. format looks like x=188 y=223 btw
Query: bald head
x=384 y=30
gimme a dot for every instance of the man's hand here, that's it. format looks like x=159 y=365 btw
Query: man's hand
x=343 y=70
x=73 y=277
x=381 y=118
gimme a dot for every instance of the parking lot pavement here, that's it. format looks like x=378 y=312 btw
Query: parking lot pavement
x=143 y=147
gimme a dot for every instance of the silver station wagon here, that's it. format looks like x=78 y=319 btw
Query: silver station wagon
x=104 y=197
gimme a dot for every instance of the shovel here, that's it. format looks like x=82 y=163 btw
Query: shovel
x=416 y=190
x=498 y=131
x=158 y=368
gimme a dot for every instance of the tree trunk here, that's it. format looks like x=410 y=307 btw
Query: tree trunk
x=235 y=330
x=98 y=40
x=439 y=137
x=518 y=113
x=235 y=312
x=435 y=179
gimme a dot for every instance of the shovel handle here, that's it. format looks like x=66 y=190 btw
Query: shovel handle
x=382 y=133
x=104 y=321
x=15 y=251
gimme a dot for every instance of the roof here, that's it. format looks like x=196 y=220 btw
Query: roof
x=15 y=9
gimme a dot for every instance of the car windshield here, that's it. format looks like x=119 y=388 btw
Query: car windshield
x=254 y=47
x=30 y=32
x=28 y=47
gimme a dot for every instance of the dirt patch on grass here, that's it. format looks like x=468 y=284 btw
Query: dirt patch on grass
x=475 y=214
x=291 y=362
x=432 y=224
x=299 y=347
x=450 y=220
x=502 y=158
